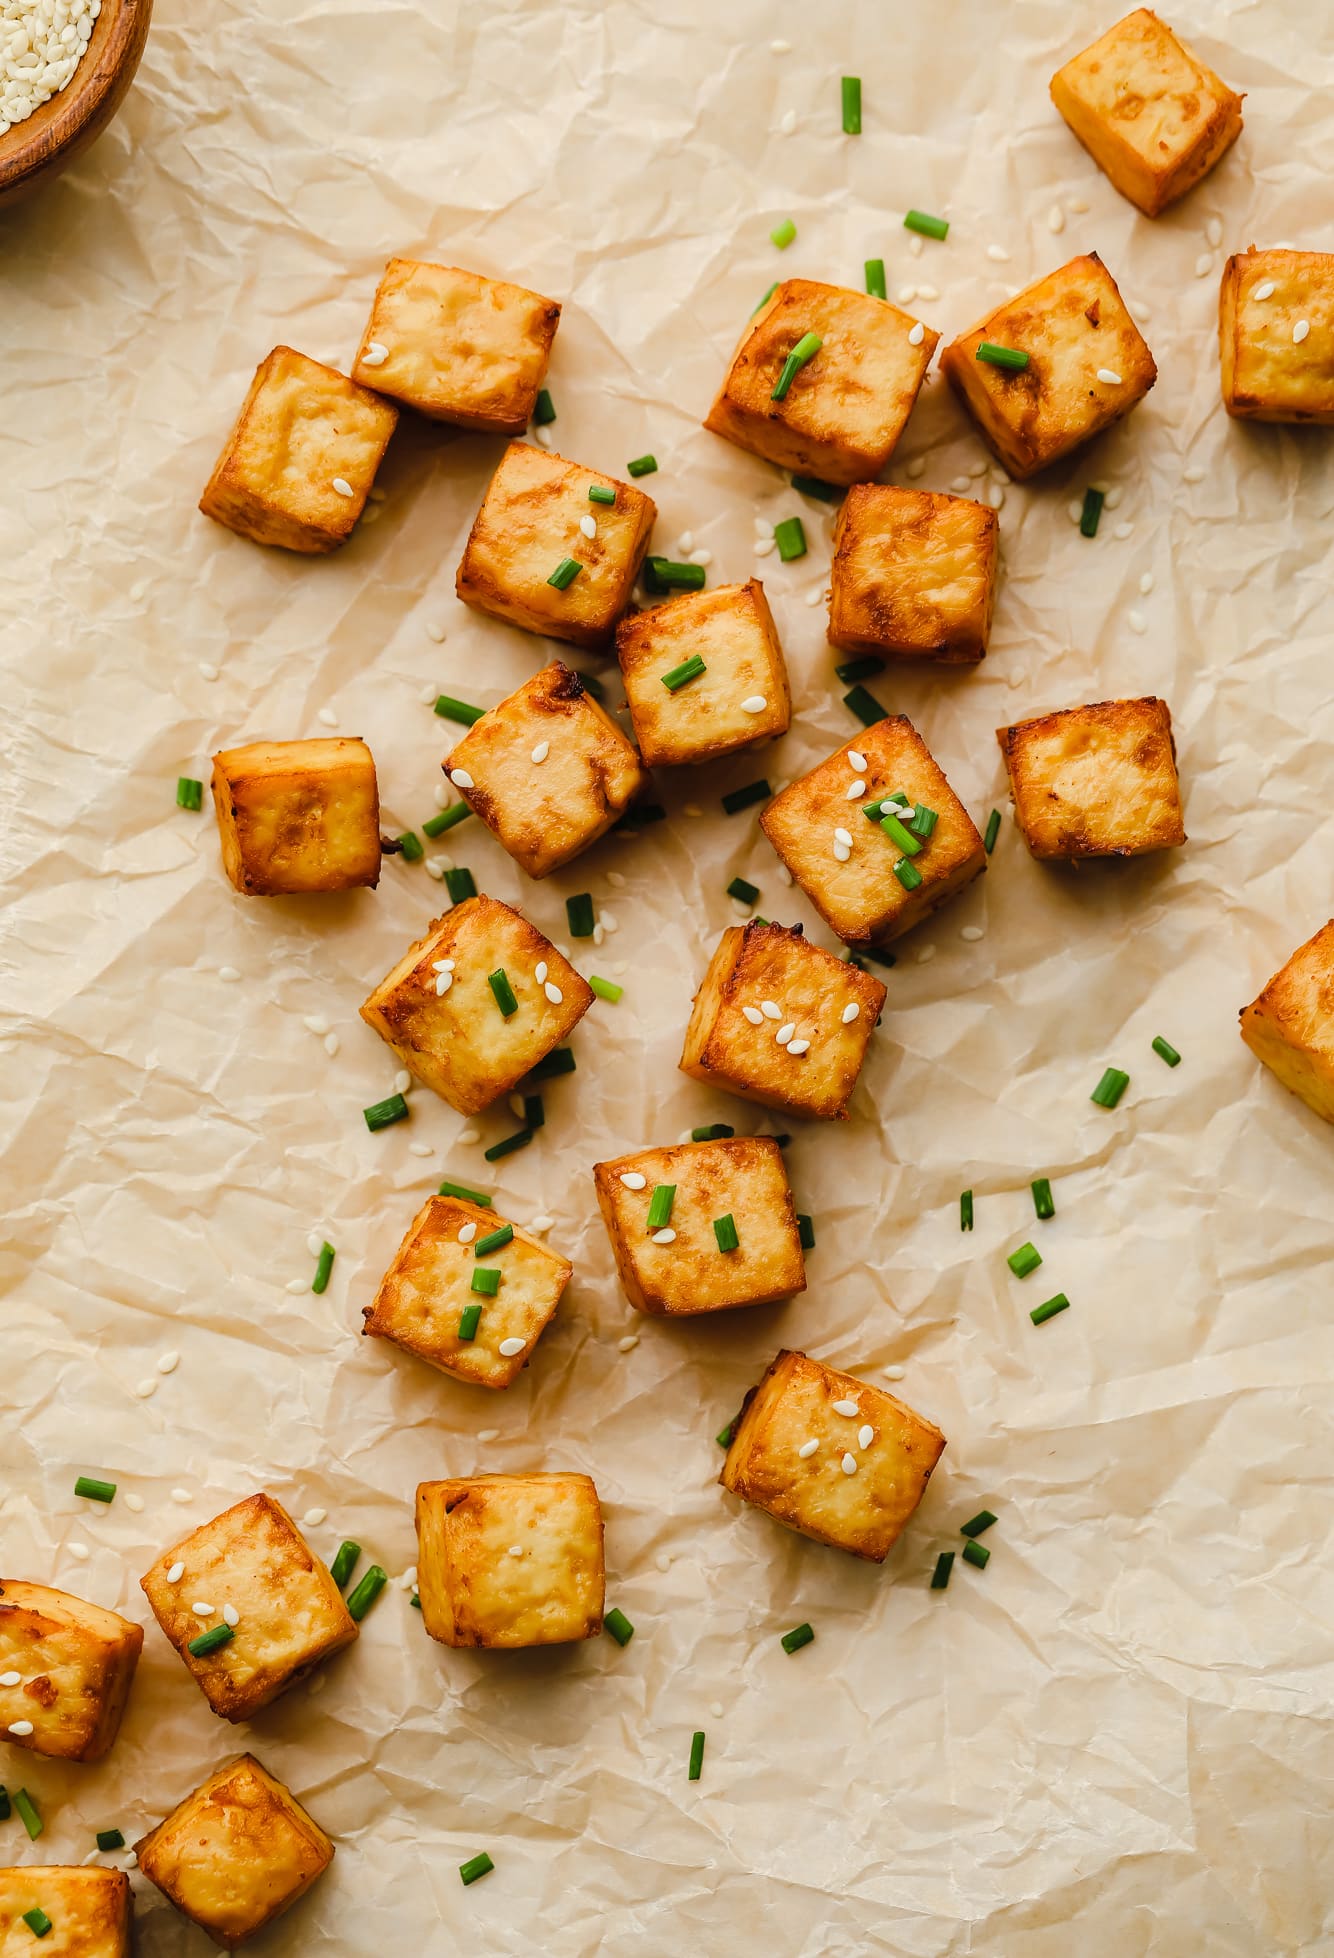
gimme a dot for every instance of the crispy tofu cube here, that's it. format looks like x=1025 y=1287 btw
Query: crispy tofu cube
x=1098 y=781
x=237 y=1853
x=438 y=1012
x=297 y=816
x=845 y=410
x=682 y=1268
x=740 y=698
x=547 y=770
x=456 y=346
x=289 y=1615
x=1276 y=336
x=1291 y=1025
x=870 y=890
x=857 y=1488
x=298 y=466
x=1153 y=118
x=90 y=1911
x=914 y=575
x=510 y=1560
x=1087 y=366
x=76 y=1662
x=780 y=1021
x=530 y=522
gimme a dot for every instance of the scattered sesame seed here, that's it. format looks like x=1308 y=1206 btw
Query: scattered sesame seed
x=544 y=436
x=998 y=255
x=1112 y=497
x=542 y=1223
x=314 y=1517
x=541 y=751
x=1300 y=331
x=1146 y=582
x=702 y=557
x=865 y=1436
x=961 y=485
x=376 y=354
x=134 y=1503
x=842 y=852
x=763 y=528
x=177 y=1571
x=685 y=543
x=420 y=1149
x=894 y=1373
x=488 y=1434
x=762 y=546
x=784 y=875
x=808 y=1448
x=996 y=496
x=1076 y=204
x=609 y=923
x=402 y=1086
x=906 y=294
x=634 y=1179
x=789 y=122
x=851 y=1012
x=314 y=1243
x=435 y=632
x=1204 y=265
x=857 y=762
x=815 y=596
x=771 y=1009
x=927 y=292
x=516 y=1105
x=20 y=1728
x=11 y=1678
x=1193 y=475
x=470 y=1135
x=754 y=1015
x=916 y=468
x=785 y=1033
x=972 y=933
x=1136 y=621
x=665 y=1236
x=842 y=835
x=467 y=1232
x=168 y=1362
x=1055 y=219
x=1075 y=509
x=509 y=1347
x=1124 y=530
x=976 y=469
x=855 y=790
x=207 y=671
x=408 y=1581
x=516 y=1550
x=631 y=1340
x=850 y=1409
x=1108 y=378
x=849 y=1465
x=229 y=974
x=754 y=703
x=461 y=778
x=925 y=953
x=342 y=486
x=146 y=1389
x=797 y=1046
x=202 y=1610
x=181 y=1496
x=331 y=1044
x=589 y=526
x=917 y=335
x=916 y=244
x=1213 y=232
x=553 y=993
x=315 y=1023
x=1265 y=290
x=295 y=1285
x=231 y=1615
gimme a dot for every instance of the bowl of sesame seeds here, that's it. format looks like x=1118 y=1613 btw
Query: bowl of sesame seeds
x=65 y=66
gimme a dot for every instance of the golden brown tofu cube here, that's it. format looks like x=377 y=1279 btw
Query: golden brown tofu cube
x=1098 y=781
x=530 y=522
x=547 y=770
x=438 y=1012
x=298 y=466
x=1276 y=336
x=74 y=1662
x=739 y=699
x=845 y=409
x=510 y=1560
x=780 y=1021
x=456 y=346
x=1291 y=1025
x=1153 y=118
x=297 y=816
x=860 y=1483
x=237 y=1853
x=255 y=1572
x=681 y=1267
x=1087 y=366
x=914 y=575
x=869 y=888
x=90 y=1911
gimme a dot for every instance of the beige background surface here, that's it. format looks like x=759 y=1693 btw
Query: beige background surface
x=1116 y=1740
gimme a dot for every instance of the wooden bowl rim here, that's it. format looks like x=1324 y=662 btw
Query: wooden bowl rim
x=116 y=42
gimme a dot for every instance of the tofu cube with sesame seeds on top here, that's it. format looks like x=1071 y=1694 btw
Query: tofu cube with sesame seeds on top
x=738 y=697
x=90 y=1911
x=456 y=346
x=913 y=576
x=683 y=1267
x=506 y=1561
x=1276 y=336
x=845 y=408
x=299 y=464
x=65 y=1671
x=237 y=1853
x=547 y=770
x=829 y=830
x=1096 y=781
x=249 y=1569
x=298 y=816
x=831 y=1457
x=1087 y=366
x=531 y=528
x=1291 y=1024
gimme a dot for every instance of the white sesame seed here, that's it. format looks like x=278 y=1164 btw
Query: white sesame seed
x=516 y=1550
x=408 y=1581
x=855 y=789
x=865 y=1436
x=1136 y=621
x=998 y=255
x=461 y=778
x=553 y=993
x=509 y=1347
x=762 y=546
x=771 y=1009
x=467 y=1232
x=177 y=1571
x=609 y=923
x=894 y=1373
x=134 y=1503
x=202 y=1610
x=1204 y=265
x=589 y=526
x=906 y=295
x=168 y=1362
x=785 y=1033
x=315 y=1023
x=376 y=354
x=1074 y=509
x=231 y=1615
x=685 y=543
x=11 y=1678
x=540 y=971
x=207 y=671
x=917 y=335
x=754 y=703
x=972 y=933
x=331 y=1044
x=228 y=974
x=435 y=632
x=1213 y=232
x=1146 y=582
x=665 y=1236
x=1112 y=497
x=541 y=751
x=849 y=1465
x=1108 y=378
x=402 y=1086
x=842 y=835
x=181 y=1496
x=815 y=596
x=961 y=485
x=1055 y=219
x=927 y=292
x=443 y=965
x=314 y=1243
x=616 y=880
x=633 y=1179
x=702 y=557
x=784 y=875
x=488 y=1434
x=763 y=528
x=916 y=468
x=1193 y=475
x=541 y=1223
x=313 y=1518
x=544 y=436
x=1124 y=530
x=1300 y=331
x=789 y=121
x=808 y=1448
x=295 y=1285
x=925 y=953
x=850 y=1409
x=628 y=1344
x=342 y=486
x=851 y=1012
x=976 y=469
x=1265 y=290
x=797 y=1046
x=147 y=1388
x=857 y=761
x=842 y=852
x=916 y=244
x=996 y=496
x=20 y=1729
x=754 y=1015
x=1076 y=204
x=467 y=1136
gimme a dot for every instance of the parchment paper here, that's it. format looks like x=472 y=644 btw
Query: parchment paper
x=1114 y=1741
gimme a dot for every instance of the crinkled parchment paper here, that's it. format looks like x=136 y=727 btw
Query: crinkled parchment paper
x=1116 y=1740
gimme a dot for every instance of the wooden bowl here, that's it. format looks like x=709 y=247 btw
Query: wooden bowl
x=38 y=149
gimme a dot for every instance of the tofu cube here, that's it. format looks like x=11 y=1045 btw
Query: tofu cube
x=456 y=346
x=252 y=1561
x=1098 y=781
x=298 y=466
x=530 y=522
x=237 y=1853
x=1276 y=336
x=1087 y=367
x=1153 y=118
x=741 y=698
x=438 y=1012
x=297 y=816
x=76 y=1662
x=90 y=1911
x=681 y=1268
x=858 y=1487
x=870 y=890
x=547 y=770
x=1291 y=1025
x=846 y=408
x=505 y=1561
x=913 y=576
x=780 y=1021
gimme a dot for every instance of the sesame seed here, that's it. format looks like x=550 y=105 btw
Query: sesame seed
x=917 y=335
x=470 y=1135
x=1193 y=475
x=976 y=469
x=762 y=546
x=702 y=557
x=856 y=788
x=616 y=880
x=916 y=468
x=998 y=255
x=1108 y=378
x=314 y=1243
x=784 y=875
x=1213 y=232
x=461 y=778
x=849 y=1465
x=972 y=933
x=1300 y=331
x=1146 y=582
x=808 y=1448
x=1124 y=530
x=553 y=993
x=865 y=1436
x=894 y=1373
x=135 y=1503
x=544 y=436
x=851 y=1012
x=771 y=1009
x=168 y=1362
x=231 y=1615
x=228 y=974
x=181 y=1496
x=857 y=761
x=961 y=485
x=589 y=526
x=1076 y=204
x=1204 y=265
x=754 y=1015
x=797 y=1046
x=665 y=1236
x=177 y=1571
x=11 y=1678
x=402 y=1086
x=315 y=1023
x=331 y=1044
x=685 y=543
x=754 y=703
x=842 y=835
x=436 y=632
x=542 y=1223
x=927 y=292
x=633 y=1179
x=763 y=528
x=314 y=1517
x=541 y=751
x=785 y=1033
x=467 y=1232
x=1055 y=219
x=906 y=294
x=848 y=1408
x=516 y=1550
x=925 y=953
x=420 y=1149
x=996 y=496
x=789 y=122
x=207 y=671
x=20 y=1728
x=1075 y=509
x=540 y=971
x=1112 y=497
x=1265 y=290
x=516 y=1105
x=609 y=923
x=147 y=1388
x=842 y=852
x=202 y=1610
x=815 y=596
x=376 y=354
x=916 y=244
x=509 y=1347
x=488 y=1434
x=1136 y=621
x=408 y=1581
x=629 y=1343
x=295 y=1285
x=342 y=486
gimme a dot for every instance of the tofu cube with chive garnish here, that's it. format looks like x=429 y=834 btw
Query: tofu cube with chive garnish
x=89 y=1911
x=875 y=836
x=781 y=1021
x=704 y=675
x=546 y=556
x=913 y=576
x=248 y=1606
x=547 y=770
x=729 y=1234
x=299 y=464
x=477 y=1002
x=237 y=1853
x=831 y=1457
x=298 y=816
x=506 y=1561
x=1096 y=781
x=839 y=413
x=75 y=1663
x=1276 y=336
x=1085 y=365
x=456 y=346
x=1153 y=117
x=1291 y=1025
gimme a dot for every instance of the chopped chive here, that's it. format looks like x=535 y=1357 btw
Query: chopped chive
x=460 y=883
x=619 y=1626
x=605 y=989
x=565 y=573
x=641 y=813
x=601 y=493
x=415 y=1602
x=410 y=846
x=486 y=1281
x=806 y=349
x=495 y=1240
x=928 y=226
x=664 y=574
x=1043 y=1202
x=965 y=1210
x=346 y=1558
x=27 y=1813
x=765 y=301
x=660 y=1207
x=1049 y=1308
x=579 y=915
x=794 y=1640
x=899 y=833
x=450 y=709
x=189 y=793
x=865 y=706
x=4 y=1804
x=1026 y=1259
x=469 y=1320
x=534 y=1112
x=923 y=821
x=591 y=684
x=367 y=1592
x=758 y=920
x=806 y=1231
x=1165 y=1050
x=469 y=1196
x=873 y=811
x=886 y=959
x=1111 y=1088
x=782 y=235
x=712 y=1132
x=993 y=831
x=544 y=410
x=476 y=1866
x=745 y=893
x=875 y=278
x=824 y=493
x=37 y=1921
x=738 y=799
x=790 y=537
x=852 y=105
x=724 y=1229
x=680 y=676
x=519 y=1140
x=110 y=1839
x=1013 y=359
x=209 y=1641
x=1091 y=512
x=908 y=874
x=503 y=992
x=852 y=670
x=725 y=1435
x=642 y=466
x=383 y=1114
x=940 y=1576
x=976 y=1553
x=323 y=1266
x=696 y=1756
x=95 y=1491
x=458 y=812
x=976 y=1524
x=559 y=1061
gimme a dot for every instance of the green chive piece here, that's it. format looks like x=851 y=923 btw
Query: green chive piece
x=712 y=1132
x=110 y=1839
x=976 y=1524
x=928 y=226
x=853 y=670
x=823 y=493
x=852 y=105
x=660 y=1207
x=1049 y=1308
x=782 y=235
x=1166 y=1051
x=95 y=1491
x=383 y=1114
x=579 y=915
x=601 y=493
x=642 y=813
x=469 y=1196
x=976 y=1553
x=806 y=1231
x=450 y=709
x=886 y=959
x=1026 y=1259
x=619 y=1626
x=346 y=1558
x=189 y=793
x=923 y=821
x=664 y=574
x=1013 y=359
x=323 y=1266
x=724 y=1229
x=965 y=1210
x=4 y=1804
x=209 y=1641
x=486 y=1281
x=940 y=1576
x=37 y=1921
x=495 y=1240
x=591 y=684
x=1043 y=1201
x=458 y=812
x=725 y=1435
x=738 y=799
x=503 y=992
x=806 y=349
x=680 y=676
x=367 y=1592
x=415 y=1602
x=534 y=1112
x=900 y=834
x=1111 y=1088
x=790 y=537
x=565 y=573
x=519 y=1140
x=794 y=1640
x=993 y=831
x=544 y=410
x=765 y=301
x=696 y=1756
x=865 y=706
x=476 y=1866
x=605 y=988
x=1092 y=511
x=460 y=883
x=559 y=1061
x=758 y=920
x=642 y=466
x=875 y=278
x=410 y=846
x=908 y=874
x=28 y=1815
x=469 y=1320
x=745 y=893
